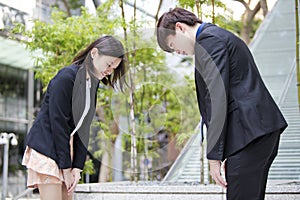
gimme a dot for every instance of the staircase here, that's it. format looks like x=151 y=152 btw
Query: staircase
x=186 y=168
x=274 y=51
x=192 y=169
x=287 y=163
x=191 y=172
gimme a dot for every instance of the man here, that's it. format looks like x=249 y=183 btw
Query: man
x=243 y=121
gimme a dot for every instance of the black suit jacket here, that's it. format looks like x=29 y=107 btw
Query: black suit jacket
x=233 y=100
x=50 y=132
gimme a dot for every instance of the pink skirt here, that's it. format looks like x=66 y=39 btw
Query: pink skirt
x=41 y=169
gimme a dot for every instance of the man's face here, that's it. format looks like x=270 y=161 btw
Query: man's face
x=181 y=43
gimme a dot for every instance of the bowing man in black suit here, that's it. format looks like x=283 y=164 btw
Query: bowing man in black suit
x=243 y=121
x=56 y=145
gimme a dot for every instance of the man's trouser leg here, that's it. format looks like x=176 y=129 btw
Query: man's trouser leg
x=247 y=170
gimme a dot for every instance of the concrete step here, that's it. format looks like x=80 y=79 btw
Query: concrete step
x=191 y=173
x=285 y=164
x=289 y=158
x=184 y=189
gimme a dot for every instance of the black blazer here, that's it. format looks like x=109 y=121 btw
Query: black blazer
x=50 y=132
x=234 y=103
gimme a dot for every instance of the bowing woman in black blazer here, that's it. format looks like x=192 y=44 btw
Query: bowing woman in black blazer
x=243 y=122
x=56 y=145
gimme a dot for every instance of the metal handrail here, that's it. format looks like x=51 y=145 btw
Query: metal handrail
x=22 y=194
x=287 y=84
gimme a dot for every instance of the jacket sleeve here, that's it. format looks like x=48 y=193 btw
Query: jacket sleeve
x=213 y=59
x=60 y=112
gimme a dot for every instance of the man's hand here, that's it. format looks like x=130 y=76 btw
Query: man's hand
x=215 y=172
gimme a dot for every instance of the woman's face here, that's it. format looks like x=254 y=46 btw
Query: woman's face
x=104 y=65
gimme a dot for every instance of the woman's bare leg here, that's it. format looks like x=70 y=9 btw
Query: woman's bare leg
x=50 y=191
x=65 y=193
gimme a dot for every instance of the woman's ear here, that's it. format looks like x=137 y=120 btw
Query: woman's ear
x=93 y=52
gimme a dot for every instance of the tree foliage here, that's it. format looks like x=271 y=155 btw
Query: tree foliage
x=245 y=27
x=249 y=23
x=55 y=44
x=154 y=92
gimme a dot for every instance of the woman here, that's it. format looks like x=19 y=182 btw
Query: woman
x=56 y=145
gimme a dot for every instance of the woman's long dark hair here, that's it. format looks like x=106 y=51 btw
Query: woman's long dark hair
x=108 y=46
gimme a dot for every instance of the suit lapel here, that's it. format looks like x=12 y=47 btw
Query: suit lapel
x=78 y=96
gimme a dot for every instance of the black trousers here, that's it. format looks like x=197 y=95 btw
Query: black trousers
x=247 y=170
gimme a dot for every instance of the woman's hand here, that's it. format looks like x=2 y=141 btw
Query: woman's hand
x=68 y=177
x=215 y=172
x=76 y=175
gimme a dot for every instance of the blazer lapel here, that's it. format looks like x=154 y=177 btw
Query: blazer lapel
x=78 y=96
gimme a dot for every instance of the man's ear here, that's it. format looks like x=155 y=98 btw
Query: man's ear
x=180 y=27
